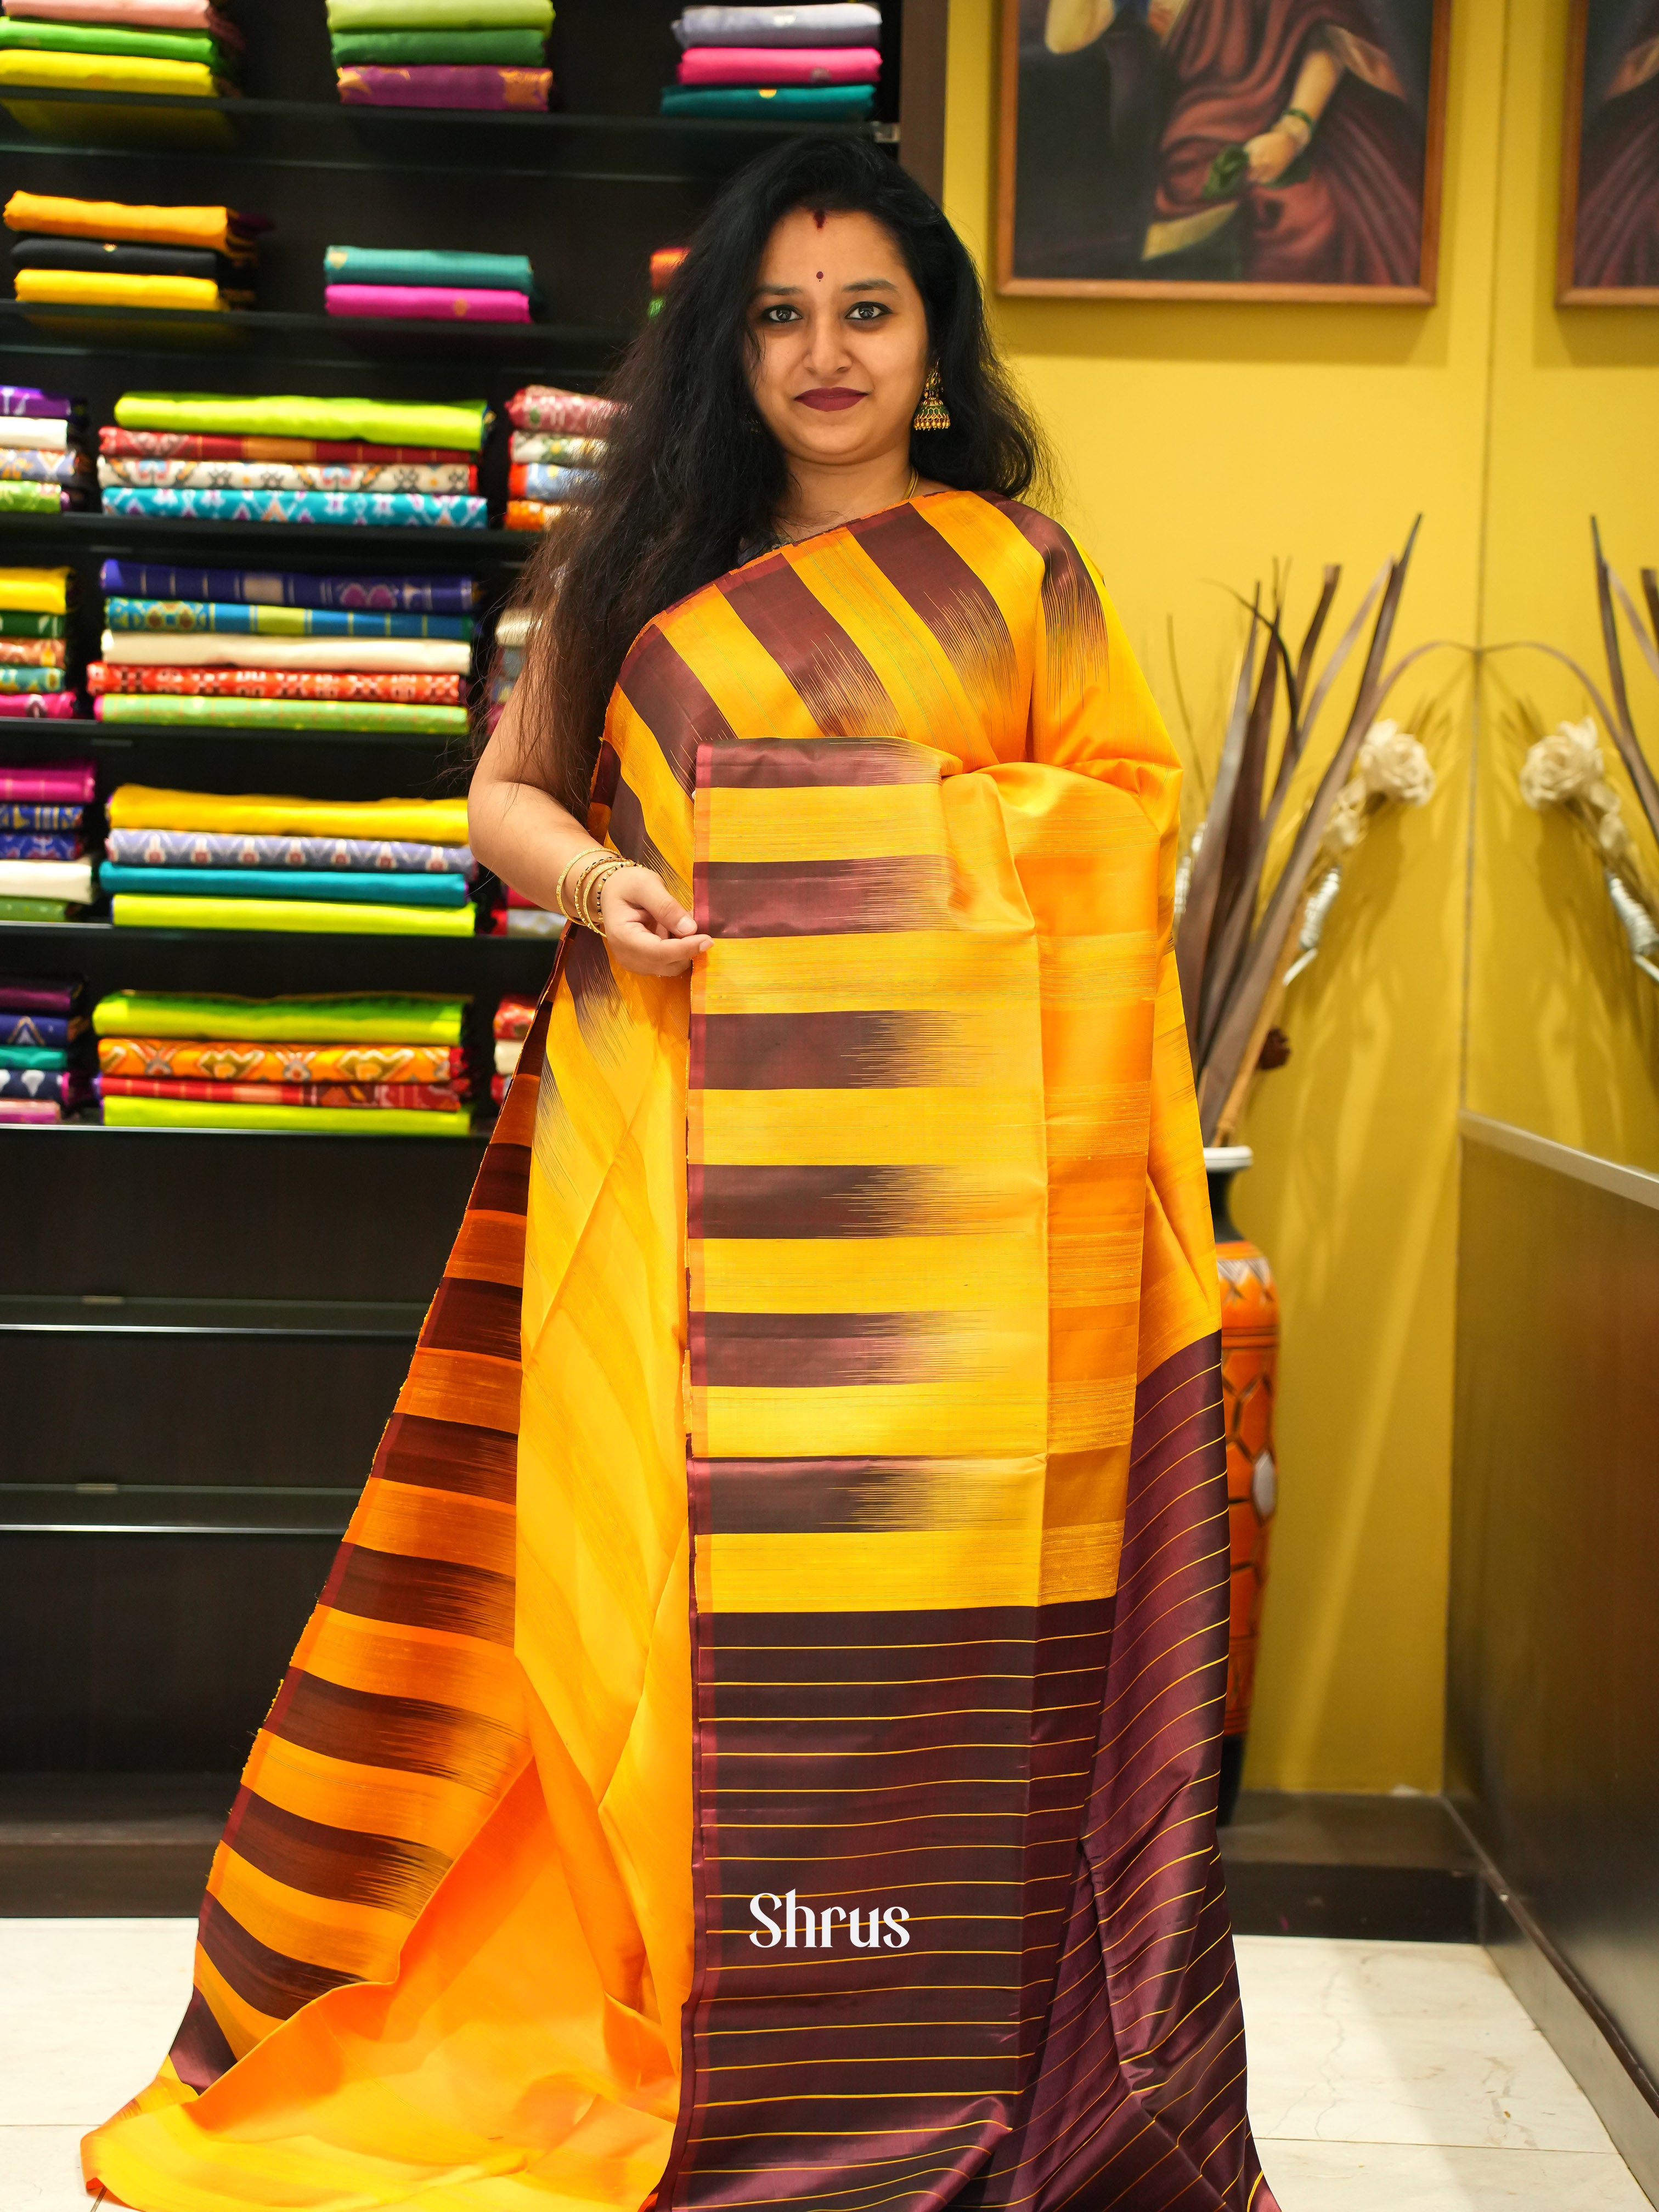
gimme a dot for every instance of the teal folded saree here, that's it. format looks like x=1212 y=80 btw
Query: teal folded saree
x=374 y=264
x=361 y=886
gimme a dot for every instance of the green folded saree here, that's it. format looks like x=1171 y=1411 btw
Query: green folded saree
x=327 y=917
x=107 y=39
x=396 y=1017
x=283 y=714
x=33 y=1056
x=504 y=49
x=439 y=15
x=312 y=1121
x=377 y=421
x=30 y=909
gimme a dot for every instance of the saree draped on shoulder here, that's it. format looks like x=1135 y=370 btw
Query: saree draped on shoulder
x=757 y=1744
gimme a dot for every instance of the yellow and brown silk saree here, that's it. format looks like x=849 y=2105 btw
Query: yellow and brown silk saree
x=756 y=1746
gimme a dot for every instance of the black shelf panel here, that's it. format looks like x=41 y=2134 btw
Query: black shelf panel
x=49 y=539
x=640 y=149
x=550 y=352
x=354 y=1320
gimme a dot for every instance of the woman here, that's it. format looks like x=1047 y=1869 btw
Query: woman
x=1288 y=152
x=827 y=1358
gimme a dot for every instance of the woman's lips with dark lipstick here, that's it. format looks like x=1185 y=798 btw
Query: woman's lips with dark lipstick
x=830 y=397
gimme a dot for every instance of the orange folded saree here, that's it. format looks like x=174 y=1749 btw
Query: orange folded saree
x=757 y=1744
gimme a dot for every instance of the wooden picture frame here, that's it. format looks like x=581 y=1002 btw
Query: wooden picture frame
x=1607 y=238
x=1087 y=94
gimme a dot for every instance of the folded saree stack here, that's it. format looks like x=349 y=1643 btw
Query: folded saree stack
x=812 y=64
x=213 y=457
x=664 y=262
x=186 y=48
x=556 y=450
x=201 y=860
x=511 y=1027
x=108 y=253
x=46 y=464
x=44 y=874
x=442 y=53
x=431 y=287
x=45 y=1066
x=36 y=677
x=331 y=1066
x=237 y=649
x=511 y=634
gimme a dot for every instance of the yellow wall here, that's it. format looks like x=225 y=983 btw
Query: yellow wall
x=1199 y=441
x=1563 y=1031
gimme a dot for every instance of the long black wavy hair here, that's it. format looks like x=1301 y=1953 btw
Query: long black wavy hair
x=691 y=477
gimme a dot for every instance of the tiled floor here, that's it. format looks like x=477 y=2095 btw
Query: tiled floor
x=1382 y=2074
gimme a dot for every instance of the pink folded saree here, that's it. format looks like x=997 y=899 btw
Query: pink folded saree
x=68 y=783
x=430 y=302
x=779 y=65
x=456 y=85
x=133 y=15
x=57 y=706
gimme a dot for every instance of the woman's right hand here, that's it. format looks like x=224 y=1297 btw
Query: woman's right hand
x=646 y=930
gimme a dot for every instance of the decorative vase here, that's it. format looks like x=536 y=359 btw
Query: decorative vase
x=1249 y=1379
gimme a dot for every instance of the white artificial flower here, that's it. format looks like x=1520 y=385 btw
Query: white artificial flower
x=1393 y=764
x=1564 y=765
x=1348 y=823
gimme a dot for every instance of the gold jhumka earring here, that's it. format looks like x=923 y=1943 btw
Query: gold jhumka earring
x=931 y=413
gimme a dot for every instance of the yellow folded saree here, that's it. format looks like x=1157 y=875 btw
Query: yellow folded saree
x=422 y=821
x=757 y=1744
x=99 y=287
x=38 y=65
x=35 y=591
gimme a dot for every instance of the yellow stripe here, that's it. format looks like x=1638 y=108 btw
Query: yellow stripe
x=925 y=1419
x=903 y=971
x=907 y=1571
x=869 y=1274
x=903 y=821
x=920 y=1127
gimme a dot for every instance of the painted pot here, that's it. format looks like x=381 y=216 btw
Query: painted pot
x=1249 y=1381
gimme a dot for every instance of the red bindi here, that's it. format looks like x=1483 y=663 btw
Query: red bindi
x=820 y=276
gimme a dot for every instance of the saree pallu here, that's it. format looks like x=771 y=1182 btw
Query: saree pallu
x=758 y=1743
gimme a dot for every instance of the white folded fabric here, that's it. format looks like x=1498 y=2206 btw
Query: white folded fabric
x=815 y=23
x=508 y=1048
x=43 y=434
x=46 y=879
x=365 y=656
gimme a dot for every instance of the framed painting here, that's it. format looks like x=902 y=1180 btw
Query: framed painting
x=1237 y=150
x=1607 y=253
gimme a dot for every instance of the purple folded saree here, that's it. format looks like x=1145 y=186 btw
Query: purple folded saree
x=779 y=65
x=444 y=303
x=38 y=994
x=24 y=399
x=457 y=85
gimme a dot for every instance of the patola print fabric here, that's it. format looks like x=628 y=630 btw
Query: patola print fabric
x=757 y=1744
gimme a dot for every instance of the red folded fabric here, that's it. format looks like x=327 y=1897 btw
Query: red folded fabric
x=427 y=303
x=444 y=1097
x=69 y=783
x=409 y=689
x=779 y=65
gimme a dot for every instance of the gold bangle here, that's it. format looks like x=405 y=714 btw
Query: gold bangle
x=584 y=862
x=593 y=892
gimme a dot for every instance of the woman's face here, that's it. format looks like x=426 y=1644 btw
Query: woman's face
x=840 y=337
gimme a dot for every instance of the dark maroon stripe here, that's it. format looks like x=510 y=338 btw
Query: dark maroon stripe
x=433 y=1455
x=342 y=1864
x=941 y=588
x=439 y=1594
x=824 y=1052
x=797 y=763
x=607 y=771
x=837 y=685
x=367 y=1728
x=634 y=842
x=805 y=1351
x=268 y=1980
x=503 y=1184
x=852 y=1201
x=199 y=2051
x=471 y=1315
x=672 y=703
x=821 y=898
x=1073 y=621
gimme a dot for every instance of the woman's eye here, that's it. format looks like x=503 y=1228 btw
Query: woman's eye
x=783 y=313
x=867 y=311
